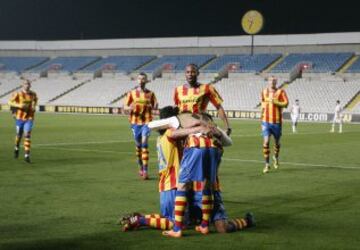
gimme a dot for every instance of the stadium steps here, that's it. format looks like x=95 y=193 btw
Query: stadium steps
x=347 y=64
x=208 y=62
x=69 y=90
x=353 y=102
x=10 y=91
x=139 y=69
x=273 y=64
x=117 y=99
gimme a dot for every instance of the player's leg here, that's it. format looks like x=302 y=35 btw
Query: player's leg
x=340 y=125
x=27 y=139
x=293 y=123
x=276 y=131
x=266 y=150
x=137 y=137
x=332 y=130
x=145 y=133
x=19 y=133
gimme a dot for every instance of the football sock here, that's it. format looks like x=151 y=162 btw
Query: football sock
x=180 y=204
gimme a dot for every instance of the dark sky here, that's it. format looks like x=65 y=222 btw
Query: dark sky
x=87 y=19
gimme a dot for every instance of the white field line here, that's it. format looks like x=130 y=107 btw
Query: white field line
x=151 y=139
x=224 y=158
x=293 y=163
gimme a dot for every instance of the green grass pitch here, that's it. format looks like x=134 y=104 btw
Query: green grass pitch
x=84 y=176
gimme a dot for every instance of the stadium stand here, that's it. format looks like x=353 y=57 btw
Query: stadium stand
x=176 y=63
x=66 y=64
x=20 y=64
x=320 y=95
x=317 y=62
x=241 y=63
x=241 y=93
x=355 y=67
x=46 y=88
x=125 y=64
x=8 y=84
x=99 y=92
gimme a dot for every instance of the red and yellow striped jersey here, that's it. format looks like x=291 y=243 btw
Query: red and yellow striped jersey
x=272 y=103
x=143 y=102
x=196 y=99
x=25 y=102
x=201 y=141
x=169 y=161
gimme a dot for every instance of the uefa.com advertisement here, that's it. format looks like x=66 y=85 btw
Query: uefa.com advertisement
x=238 y=114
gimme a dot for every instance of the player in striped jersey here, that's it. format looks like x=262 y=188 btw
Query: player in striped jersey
x=273 y=100
x=142 y=102
x=24 y=103
x=169 y=154
x=194 y=97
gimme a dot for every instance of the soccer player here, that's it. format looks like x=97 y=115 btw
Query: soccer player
x=202 y=153
x=295 y=113
x=141 y=102
x=273 y=100
x=194 y=97
x=338 y=117
x=25 y=103
x=169 y=148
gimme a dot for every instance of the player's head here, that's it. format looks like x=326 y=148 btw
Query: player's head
x=191 y=73
x=26 y=85
x=272 y=81
x=297 y=101
x=167 y=112
x=142 y=79
x=337 y=101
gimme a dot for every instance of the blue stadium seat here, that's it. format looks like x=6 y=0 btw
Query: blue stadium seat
x=124 y=64
x=244 y=63
x=20 y=64
x=321 y=62
x=177 y=63
x=67 y=64
x=355 y=67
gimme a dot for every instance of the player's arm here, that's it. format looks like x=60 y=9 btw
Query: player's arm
x=34 y=103
x=183 y=132
x=14 y=102
x=282 y=101
x=128 y=102
x=216 y=100
x=154 y=105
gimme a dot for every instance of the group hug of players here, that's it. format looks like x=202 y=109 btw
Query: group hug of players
x=188 y=157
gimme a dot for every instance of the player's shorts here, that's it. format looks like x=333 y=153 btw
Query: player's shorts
x=140 y=131
x=167 y=203
x=24 y=125
x=218 y=213
x=294 y=118
x=199 y=164
x=271 y=129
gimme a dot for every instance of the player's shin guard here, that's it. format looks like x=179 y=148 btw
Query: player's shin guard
x=145 y=157
x=138 y=156
x=207 y=202
x=266 y=152
x=156 y=222
x=236 y=225
x=27 y=143
x=276 y=150
x=180 y=204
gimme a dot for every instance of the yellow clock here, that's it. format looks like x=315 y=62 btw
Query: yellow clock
x=252 y=22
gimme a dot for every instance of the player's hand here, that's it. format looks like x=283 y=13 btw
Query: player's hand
x=228 y=131
x=24 y=106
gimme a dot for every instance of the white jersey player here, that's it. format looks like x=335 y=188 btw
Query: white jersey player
x=338 y=117
x=295 y=114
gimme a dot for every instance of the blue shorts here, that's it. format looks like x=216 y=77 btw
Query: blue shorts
x=140 y=131
x=271 y=129
x=167 y=204
x=199 y=164
x=25 y=126
x=218 y=213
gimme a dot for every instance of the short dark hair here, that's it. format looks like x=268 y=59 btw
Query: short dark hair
x=193 y=65
x=143 y=74
x=167 y=112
